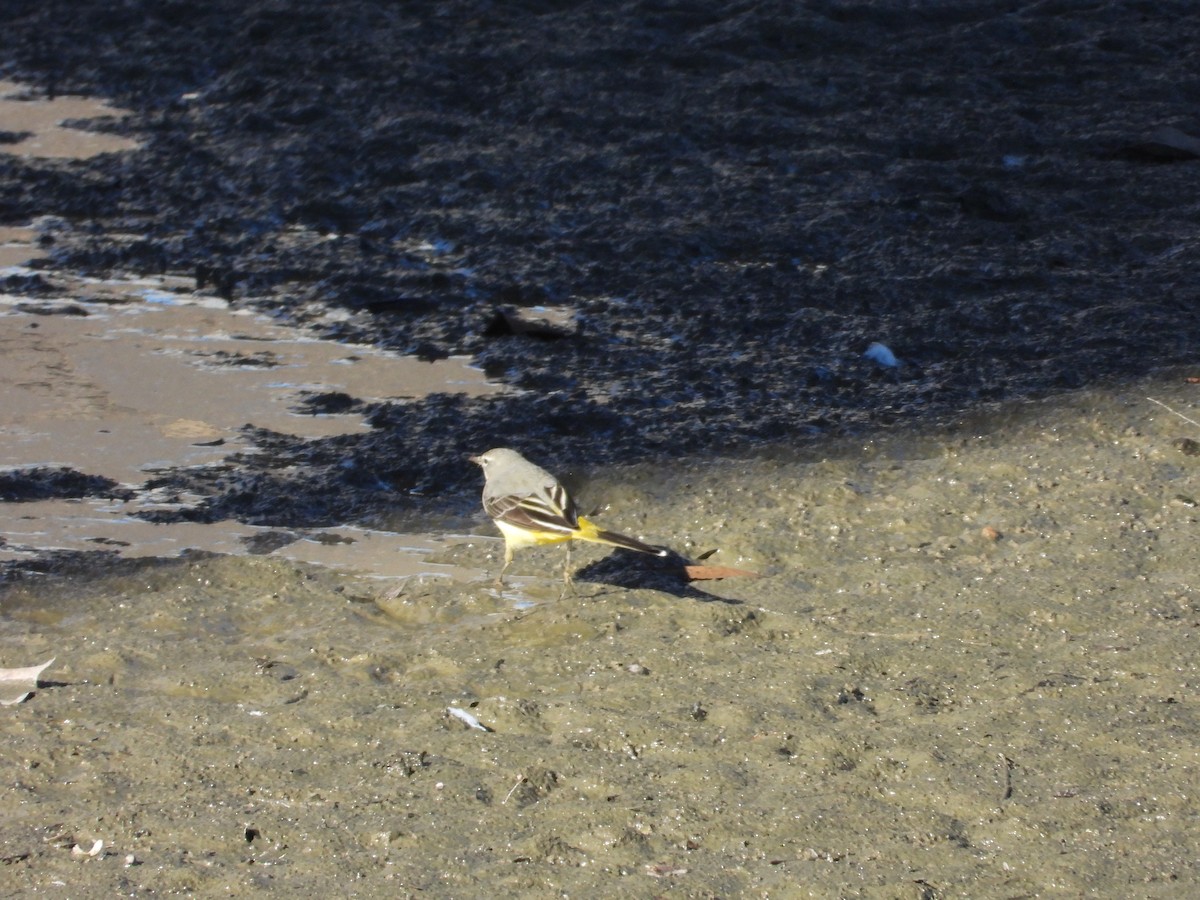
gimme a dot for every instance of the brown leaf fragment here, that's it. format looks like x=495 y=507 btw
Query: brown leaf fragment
x=711 y=573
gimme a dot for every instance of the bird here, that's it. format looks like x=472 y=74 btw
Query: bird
x=531 y=508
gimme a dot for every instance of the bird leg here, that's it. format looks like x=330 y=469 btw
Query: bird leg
x=504 y=568
x=568 y=583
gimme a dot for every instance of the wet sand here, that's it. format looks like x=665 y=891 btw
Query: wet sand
x=968 y=670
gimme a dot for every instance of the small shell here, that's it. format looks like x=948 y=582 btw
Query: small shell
x=463 y=716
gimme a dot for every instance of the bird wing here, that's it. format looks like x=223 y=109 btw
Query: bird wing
x=547 y=509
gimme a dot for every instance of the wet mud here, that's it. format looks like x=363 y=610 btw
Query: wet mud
x=670 y=231
x=734 y=200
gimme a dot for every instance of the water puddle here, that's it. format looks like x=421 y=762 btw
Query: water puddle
x=89 y=524
x=123 y=379
x=126 y=378
x=123 y=390
x=40 y=123
x=17 y=247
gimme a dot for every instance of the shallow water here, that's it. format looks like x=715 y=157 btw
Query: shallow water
x=39 y=122
x=967 y=670
x=132 y=378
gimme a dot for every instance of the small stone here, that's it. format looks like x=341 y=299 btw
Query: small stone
x=1188 y=447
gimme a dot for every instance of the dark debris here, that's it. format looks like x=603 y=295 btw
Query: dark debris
x=736 y=199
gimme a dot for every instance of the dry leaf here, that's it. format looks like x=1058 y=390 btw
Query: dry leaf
x=537 y=321
x=710 y=573
x=1172 y=139
x=80 y=852
x=96 y=850
x=17 y=684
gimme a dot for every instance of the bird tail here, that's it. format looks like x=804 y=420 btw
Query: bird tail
x=589 y=532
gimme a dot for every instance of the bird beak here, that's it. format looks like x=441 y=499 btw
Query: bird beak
x=476 y=460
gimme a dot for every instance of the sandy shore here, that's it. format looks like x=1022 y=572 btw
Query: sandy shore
x=968 y=670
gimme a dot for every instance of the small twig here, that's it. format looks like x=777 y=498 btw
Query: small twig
x=1009 y=765
x=520 y=781
x=1168 y=409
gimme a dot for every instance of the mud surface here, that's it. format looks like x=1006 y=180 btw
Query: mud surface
x=969 y=671
x=969 y=668
x=735 y=199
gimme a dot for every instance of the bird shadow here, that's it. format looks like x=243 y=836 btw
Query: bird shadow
x=638 y=571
